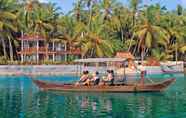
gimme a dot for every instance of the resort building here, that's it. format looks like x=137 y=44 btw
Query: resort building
x=34 y=48
x=130 y=58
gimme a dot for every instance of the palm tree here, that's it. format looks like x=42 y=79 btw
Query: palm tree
x=175 y=26
x=40 y=19
x=7 y=25
x=134 y=5
x=107 y=6
x=150 y=36
x=95 y=46
x=77 y=11
x=98 y=27
x=70 y=32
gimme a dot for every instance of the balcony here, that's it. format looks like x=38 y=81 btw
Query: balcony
x=32 y=50
x=44 y=50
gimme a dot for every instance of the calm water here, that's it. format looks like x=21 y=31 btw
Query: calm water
x=20 y=98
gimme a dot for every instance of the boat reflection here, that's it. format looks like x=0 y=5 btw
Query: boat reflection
x=111 y=104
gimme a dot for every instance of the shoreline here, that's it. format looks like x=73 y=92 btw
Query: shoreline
x=37 y=70
x=62 y=70
x=37 y=74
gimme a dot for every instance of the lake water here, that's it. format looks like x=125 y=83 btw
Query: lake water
x=20 y=98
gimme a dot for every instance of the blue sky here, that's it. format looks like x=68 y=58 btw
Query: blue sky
x=66 y=5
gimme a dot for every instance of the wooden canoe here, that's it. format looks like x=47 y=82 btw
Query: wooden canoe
x=156 y=87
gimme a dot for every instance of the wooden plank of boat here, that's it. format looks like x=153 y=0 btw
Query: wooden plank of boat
x=156 y=87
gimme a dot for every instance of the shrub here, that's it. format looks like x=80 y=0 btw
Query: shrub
x=3 y=60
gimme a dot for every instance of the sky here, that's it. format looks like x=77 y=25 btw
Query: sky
x=66 y=5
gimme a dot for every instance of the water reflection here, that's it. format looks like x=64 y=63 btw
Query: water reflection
x=117 y=105
x=19 y=98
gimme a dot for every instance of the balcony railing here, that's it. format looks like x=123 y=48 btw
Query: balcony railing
x=44 y=50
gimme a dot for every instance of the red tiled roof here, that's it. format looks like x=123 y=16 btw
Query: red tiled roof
x=152 y=62
x=127 y=55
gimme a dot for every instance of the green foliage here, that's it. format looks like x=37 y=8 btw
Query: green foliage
x=183 y=49
x=161 y=56
x=3 y=60
x=98 y=28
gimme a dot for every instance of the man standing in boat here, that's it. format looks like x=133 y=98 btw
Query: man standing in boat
x=143 y=73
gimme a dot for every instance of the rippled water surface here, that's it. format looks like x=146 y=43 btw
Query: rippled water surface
x=20 y=98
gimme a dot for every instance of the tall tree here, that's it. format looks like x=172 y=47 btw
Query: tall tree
x=134 y=4
x=7 y=24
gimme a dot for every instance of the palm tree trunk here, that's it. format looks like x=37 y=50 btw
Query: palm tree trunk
x=46 y=51
x=142 y=56
x=92 y=52
x=146 y=51
x=134 y=18
x=130 y=44
x=10 y=49
x=122 y=38
x=53 y=49
x=135 y=48
x=82 y=36
x=90 y=17
x=176 y=53
x=22 y=55
x=37 y=60
x=4 y=47
x=65 y=52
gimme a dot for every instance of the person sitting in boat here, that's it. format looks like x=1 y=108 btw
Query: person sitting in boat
x=84 y=78
x=110 y=78
x=95 y=78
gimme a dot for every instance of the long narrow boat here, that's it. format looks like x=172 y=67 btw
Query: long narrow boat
x=124 y=87
x=157 y=87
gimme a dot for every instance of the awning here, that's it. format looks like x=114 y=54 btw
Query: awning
x=100 y=60
x=126 y=55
